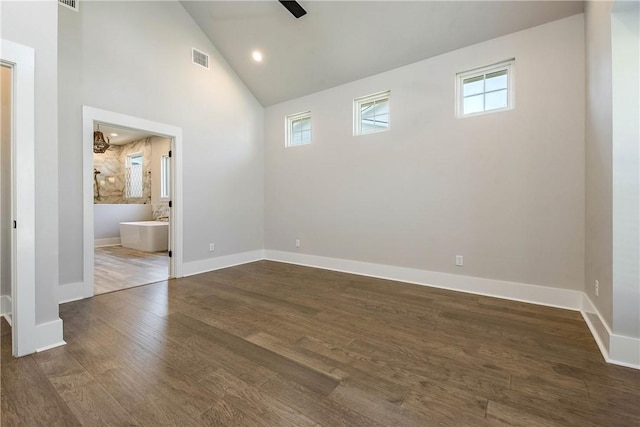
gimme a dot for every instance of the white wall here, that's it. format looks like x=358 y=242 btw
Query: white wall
x=134 y=58
x=625 y=61
x=506 y=190
x=599 y=163
x=35 y=24
x=70 y=147
x=612 y=179
x=107 y=219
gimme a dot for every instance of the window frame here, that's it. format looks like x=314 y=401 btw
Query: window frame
x=288 y=128
x=357 y=111
x=165 y=177
x=127 y=176
x=507 y=66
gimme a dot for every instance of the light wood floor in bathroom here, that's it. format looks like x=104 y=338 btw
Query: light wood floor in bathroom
x=119 y=268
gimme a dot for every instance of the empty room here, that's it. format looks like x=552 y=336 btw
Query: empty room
x=323 y=213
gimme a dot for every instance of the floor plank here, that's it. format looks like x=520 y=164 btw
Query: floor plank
x=271 y=344
x=117 y=268
x=28 y=396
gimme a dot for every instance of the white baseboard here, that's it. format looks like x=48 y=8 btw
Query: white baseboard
x=210 y=264
x=542 y=295
x=616 y=349
x=75 y=291
x=6 y=308
x=624 y=351
x=598 y=329
x=111 y=241
x=5 y=305
x=49 y=335
x=70 y=292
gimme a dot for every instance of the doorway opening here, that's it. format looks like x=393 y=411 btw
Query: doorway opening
x=132 y=182
x=132 y=210
x=6 y=193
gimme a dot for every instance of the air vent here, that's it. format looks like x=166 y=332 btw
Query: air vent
x=200 y=58
x=71 y=4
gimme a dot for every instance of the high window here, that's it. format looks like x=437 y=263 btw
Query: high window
x=165 y=164
x=133 y=176
x=371 y=113
x=485 y=89
x=298 y=129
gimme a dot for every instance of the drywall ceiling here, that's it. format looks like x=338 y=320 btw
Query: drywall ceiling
x=341 y=41
x=123 y=135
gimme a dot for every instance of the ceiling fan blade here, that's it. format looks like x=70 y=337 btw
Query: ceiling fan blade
x=293 y=7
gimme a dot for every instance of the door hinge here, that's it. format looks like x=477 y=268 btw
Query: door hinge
x=170 y=203
x=15 y=224
x=170 y=254
x=169 y=153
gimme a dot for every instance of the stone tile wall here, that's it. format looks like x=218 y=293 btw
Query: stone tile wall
x=160 y=211
x=111 y=179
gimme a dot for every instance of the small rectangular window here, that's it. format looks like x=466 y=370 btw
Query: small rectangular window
x=371 y=113
x=298 y=129
x=133 y=176
x=164 y=176
x=485 y=89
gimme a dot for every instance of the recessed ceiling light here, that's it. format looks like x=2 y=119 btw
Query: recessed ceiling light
x=257 y=55
x=114 y=134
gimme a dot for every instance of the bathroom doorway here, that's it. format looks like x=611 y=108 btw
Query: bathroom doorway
x=6 y=193
x=132 y=182
x=132 y=215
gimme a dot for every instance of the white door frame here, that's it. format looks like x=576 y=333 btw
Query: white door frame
x=23 y=255
x=91 y=115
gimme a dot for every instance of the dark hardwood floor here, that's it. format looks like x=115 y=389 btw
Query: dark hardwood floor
x=273 y=344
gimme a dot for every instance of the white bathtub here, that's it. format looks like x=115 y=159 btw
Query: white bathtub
x=148 y=236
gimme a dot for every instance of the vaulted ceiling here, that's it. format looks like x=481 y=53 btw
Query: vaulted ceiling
x=340 y=41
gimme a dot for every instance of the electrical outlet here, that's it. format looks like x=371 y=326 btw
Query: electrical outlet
x=212 y=247
x=597 y=288
x=297 y=243
x=459 y=260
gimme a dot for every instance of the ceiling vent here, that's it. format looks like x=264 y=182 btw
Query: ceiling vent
x=200 y=58
x=71 y=4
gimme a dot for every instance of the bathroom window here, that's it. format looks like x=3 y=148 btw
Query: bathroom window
x=165 y=183
x=486 y=89
x=371 y=113
x=133 y=176
x=298 y=129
